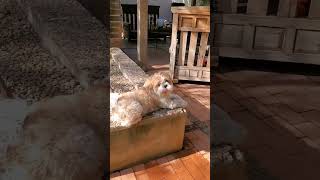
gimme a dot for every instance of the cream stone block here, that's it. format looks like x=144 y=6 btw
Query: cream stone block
x=158 y=134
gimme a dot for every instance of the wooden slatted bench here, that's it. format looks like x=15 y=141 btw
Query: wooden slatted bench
x=189 y=50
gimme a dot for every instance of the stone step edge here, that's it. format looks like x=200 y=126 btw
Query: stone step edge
x=128 y=67
x=48 y=43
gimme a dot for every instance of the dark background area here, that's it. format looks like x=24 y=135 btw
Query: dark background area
x=98 y=8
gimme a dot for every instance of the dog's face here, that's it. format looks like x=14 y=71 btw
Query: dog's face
x=161 y=83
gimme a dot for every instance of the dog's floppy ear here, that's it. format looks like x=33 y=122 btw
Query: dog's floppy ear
x=152 y=80
x=167 y=75
x=149 y=81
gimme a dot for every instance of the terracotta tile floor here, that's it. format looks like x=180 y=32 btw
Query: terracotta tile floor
x=279 y=105
x=193 y=161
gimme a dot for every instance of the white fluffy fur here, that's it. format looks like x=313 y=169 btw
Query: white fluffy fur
x=128 y=108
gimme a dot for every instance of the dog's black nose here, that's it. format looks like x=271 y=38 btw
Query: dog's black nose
x=165 y=86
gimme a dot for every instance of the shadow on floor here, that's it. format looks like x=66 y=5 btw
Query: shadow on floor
x=269 y=98
x=158 y=53
x=235 y=64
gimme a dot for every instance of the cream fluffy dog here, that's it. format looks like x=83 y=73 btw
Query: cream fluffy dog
x=128 y=108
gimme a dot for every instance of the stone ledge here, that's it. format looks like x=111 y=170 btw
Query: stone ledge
x=72 y=35
x=157 y=135
x=151 y=118
x=128 y=67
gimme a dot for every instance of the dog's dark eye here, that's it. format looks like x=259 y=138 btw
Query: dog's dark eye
x=168 y=81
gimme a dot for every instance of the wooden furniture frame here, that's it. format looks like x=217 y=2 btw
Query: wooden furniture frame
x=129 y=12
x=189 y=50
x=283 y=30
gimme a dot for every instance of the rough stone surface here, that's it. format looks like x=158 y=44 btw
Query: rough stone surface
x=71 y=34
x=227 y=154
x=119 y=83
x=32 y=72
x=162 y=113
x=128 y=67
x=26 y=67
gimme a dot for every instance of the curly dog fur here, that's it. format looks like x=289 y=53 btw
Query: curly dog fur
x=157 y=92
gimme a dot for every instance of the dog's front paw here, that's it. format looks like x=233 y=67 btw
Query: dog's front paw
x=179 y=102
x=172 y=106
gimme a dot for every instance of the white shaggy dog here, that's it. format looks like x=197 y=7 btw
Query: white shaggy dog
x=128 y=108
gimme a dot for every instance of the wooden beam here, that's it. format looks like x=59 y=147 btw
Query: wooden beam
x=173 y=46
x=142 y=32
